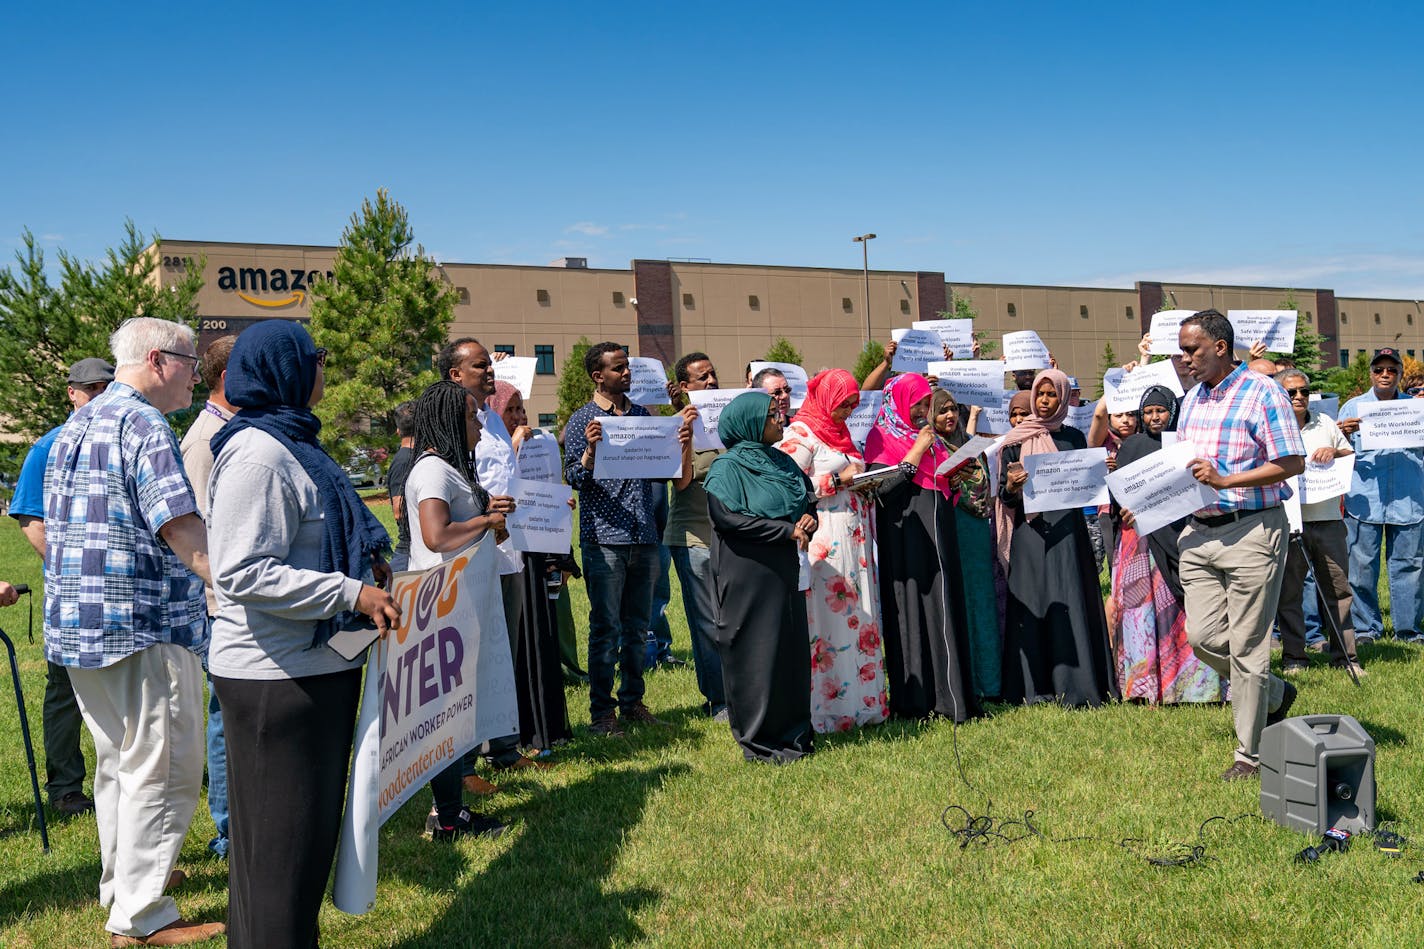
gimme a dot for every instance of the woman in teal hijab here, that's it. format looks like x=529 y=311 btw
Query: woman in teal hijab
x=762 y=510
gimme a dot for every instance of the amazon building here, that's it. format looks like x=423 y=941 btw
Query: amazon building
x=733 y=312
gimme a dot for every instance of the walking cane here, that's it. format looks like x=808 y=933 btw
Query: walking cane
x=25 y=723
x=1325 y=610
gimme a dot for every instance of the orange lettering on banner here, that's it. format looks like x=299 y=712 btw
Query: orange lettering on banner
x=451 y=592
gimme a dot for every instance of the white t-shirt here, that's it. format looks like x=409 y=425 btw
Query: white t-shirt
x=433 y=477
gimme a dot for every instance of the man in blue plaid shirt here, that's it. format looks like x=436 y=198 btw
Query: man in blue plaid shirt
x=125 y=562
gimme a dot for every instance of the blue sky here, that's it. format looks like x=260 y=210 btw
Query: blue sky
x=1086 y=143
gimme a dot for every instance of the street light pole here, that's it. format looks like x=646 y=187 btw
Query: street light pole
x=864 y=242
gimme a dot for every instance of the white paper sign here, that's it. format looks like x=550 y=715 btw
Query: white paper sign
x=795 y=376
x=1325 y=404
x=975 y=446
x=636 y=446
x=1398 y=423
x=1081 y=416
x=1063 y=480
x=1275 y=328
x=1024 y=350
x=1322 y=482
x=710 y=403
x=958 y=335
x=1127 y=396
x=649 y=381
x=971 y=381
x=1164 y=329
x=915 y=350
x=542 y=521
x=518 y=371
x=1160 y=489
x=862 y=419
x=539 y=460
x=994 y=419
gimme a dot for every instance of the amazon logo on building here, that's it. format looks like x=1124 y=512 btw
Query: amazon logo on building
x=291 y=286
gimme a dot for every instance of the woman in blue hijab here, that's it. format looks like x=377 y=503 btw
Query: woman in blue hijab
x=294 y=555
x=762 y=510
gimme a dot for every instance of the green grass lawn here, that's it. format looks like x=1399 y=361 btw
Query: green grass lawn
x=668 y=837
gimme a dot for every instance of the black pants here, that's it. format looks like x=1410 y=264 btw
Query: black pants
x=288 y=752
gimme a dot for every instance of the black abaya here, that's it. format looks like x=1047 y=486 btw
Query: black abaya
x=543 y=714
x=1055 y=632
x=926 y=633
x=761 y=634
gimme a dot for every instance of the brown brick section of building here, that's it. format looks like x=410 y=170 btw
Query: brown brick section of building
x=652 y=288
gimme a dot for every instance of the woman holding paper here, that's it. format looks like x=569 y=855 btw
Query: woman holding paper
x=538 y=677
x=451 y=512
x=843 y=603
x=1055 y=634
x=763 y=509
x=972 y=512
x=922 y=601
x=1155 y=663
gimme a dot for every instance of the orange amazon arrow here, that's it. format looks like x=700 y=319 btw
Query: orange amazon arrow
x=296 y=297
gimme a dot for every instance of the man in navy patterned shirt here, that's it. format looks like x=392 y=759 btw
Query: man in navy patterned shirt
x=125 y=562
x=619 y=541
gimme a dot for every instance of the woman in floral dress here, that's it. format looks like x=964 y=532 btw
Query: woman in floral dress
x=843 y=603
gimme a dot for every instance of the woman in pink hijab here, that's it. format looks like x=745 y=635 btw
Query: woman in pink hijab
x=1055 y=633
x=921 y=593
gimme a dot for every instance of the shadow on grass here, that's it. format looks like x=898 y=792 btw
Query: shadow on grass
x=549 y=888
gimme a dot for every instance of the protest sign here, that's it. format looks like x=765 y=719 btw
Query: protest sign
x=915 y=350
x=710 y=403
x=1160 y=489
x=638 y=446
x=1322 y=482
x=518 y=371
x=650 y=381
x=958 y=335
x=1164 y=329
x=542 y=521
x=1062 y=480
x=1081 y=416
x=795 y=377
x=1127 y=396
x=971 y=381
x=1275 y=328
x=1398 y=423
x=1024 y=350
x=538 y=458
x=437 y=685
x=863 y=418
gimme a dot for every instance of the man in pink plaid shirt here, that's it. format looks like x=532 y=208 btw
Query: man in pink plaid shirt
x=1234 y=550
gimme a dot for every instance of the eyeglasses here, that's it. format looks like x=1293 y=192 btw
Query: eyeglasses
x=1381 y=370
x=196 y=360
x=1303 y=390
x=321 y=357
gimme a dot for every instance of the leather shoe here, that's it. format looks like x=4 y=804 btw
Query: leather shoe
x=478 y=785
x=1282 y=710
x=1240 y=771
x=177 y=933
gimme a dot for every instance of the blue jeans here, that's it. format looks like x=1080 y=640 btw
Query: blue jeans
x=659 y=642
x=1401 y=544
x=694 y=572
x=619 y=580
x=217 y=773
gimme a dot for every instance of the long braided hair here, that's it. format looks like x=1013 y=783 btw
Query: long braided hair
x=440 y=430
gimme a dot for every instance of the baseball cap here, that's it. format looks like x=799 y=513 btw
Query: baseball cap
x=89 y=371
x=1387 y=353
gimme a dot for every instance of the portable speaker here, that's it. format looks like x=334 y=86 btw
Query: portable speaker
x=1318 y=773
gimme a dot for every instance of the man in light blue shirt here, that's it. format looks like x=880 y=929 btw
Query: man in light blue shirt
x=1385 y=503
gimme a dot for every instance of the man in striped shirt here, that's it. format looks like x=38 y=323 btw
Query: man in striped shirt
x=1234 y=550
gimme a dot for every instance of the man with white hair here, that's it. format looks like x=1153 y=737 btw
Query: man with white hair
x=126 y=557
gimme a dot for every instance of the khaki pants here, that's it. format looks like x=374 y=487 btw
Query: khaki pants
x=1232 y=579
x=146 y=715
